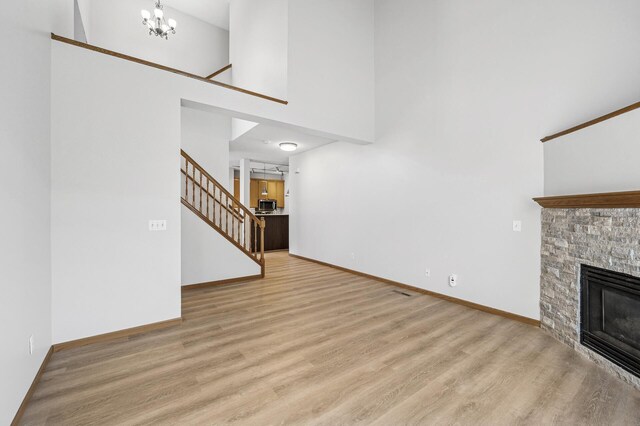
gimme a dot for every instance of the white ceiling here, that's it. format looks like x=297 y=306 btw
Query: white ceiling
x=252 y=144
x=215 y=12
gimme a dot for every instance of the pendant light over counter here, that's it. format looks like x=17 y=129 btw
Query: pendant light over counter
x=264 y=176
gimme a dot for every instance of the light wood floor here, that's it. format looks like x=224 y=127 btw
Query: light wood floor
x=314 y=345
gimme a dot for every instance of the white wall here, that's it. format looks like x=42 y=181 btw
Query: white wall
x=115 y=166
x=206 y=255
x=245 y=182
x=79 y=32
x=464 y=92
x=331 y=124
x=70 y=18
x=321 y=61
x=197 y=47
x=84 y=17
x=331 y=61
x=62 y=17
x=240 y=127
x=601 y=158
x=258 y=45
x=25 y=255
x=287 y=199
x=205 y=137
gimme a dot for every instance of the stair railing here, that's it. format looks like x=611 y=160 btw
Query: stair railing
x=209 y=200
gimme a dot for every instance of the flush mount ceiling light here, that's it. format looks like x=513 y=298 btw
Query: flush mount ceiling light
x=157 y=24
x=288 y=146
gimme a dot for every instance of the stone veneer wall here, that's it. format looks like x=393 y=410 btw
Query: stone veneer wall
x=604 y=238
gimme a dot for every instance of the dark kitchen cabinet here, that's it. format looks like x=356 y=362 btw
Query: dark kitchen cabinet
x=276 y=233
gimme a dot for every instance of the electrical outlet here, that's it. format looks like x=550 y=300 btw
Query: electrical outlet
x=352 y=256
x=517 y=226
x=31 y=345
x=157 y=225
x=453 y=280
x=427 y=272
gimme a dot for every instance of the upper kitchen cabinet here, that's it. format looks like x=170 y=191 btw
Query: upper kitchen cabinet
x=280 y=194
x=272 y=190
x=254 y=190
x=275 y=191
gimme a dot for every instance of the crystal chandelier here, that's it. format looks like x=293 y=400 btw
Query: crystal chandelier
x=156 y=24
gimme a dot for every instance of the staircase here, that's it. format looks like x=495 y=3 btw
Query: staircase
x=212 y=203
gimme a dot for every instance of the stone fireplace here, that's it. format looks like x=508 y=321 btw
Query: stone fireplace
x=608 y=239
x=610 y=316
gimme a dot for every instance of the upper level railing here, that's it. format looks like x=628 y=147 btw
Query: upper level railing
x=592 y=122
x=210 y=201
x=164 y=68
x=584 y=176
x=220 y=71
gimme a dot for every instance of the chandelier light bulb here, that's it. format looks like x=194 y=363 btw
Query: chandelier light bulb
x=156 y=23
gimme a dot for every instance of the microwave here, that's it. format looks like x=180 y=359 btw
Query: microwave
x=267 y=205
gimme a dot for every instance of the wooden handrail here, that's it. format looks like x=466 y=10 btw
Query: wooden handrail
x=162 y=67
x=220 y=71
x=234 y=212
x=592 y=122
x=222 y=189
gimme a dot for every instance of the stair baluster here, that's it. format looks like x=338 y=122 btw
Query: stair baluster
x=238 y=219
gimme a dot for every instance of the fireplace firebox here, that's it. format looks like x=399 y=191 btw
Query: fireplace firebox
x=610 y=316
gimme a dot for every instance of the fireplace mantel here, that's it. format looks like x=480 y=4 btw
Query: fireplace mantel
x=605 y=200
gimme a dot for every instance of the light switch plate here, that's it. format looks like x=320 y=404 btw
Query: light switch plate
x=517 y=226
x=157 y=225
